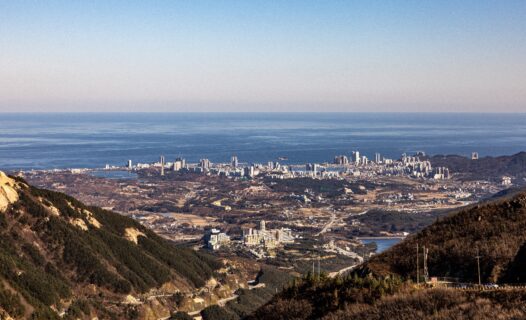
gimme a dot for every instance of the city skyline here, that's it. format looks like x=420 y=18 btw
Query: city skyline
x=236 y=56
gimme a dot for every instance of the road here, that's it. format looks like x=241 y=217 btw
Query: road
x=223 y=302
x=341 y=271
x=328 y=225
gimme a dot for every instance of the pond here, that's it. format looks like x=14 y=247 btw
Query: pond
x=382 y=244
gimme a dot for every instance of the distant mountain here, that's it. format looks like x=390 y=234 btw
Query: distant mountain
x=59 y=256
x=487 y=168
x=383 y=287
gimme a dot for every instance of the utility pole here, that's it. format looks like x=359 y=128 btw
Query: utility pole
x=426 y=271
x=478 y=265
x=319 y=272
x=417 y=266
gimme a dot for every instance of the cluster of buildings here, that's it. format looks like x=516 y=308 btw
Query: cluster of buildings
x=360 y=160
x=423 y=169
x=416 y=167
x=356 y=165
x=177 y=165
x=266 y=238
x=441 y=173
x=252 y=239
x=341 y=160
x=407 y=165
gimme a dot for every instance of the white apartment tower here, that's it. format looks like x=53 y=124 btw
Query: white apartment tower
x=356 y=157
x=234 y=162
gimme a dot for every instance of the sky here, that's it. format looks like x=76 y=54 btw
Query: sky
x=305 y=56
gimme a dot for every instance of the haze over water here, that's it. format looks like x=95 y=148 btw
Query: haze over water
x=59 y=140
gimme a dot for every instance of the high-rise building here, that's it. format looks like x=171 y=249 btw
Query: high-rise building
x=215 y=239
x=129 y=164
x=341 y=159
x=356 y=157
x=178 y=165
x=250 y=171
x=364 y=160
x=267 y=238
x=441 y=173
x=204 y=164
x=183 y=162
x=312 y=167
x=234 y=162
x=162 y=165
x=377 y=158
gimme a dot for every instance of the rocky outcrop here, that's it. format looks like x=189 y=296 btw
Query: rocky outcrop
x=8 y=193
x=133 y=234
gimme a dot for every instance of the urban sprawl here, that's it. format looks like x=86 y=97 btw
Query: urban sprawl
x=289 y=213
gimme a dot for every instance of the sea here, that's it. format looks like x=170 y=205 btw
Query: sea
x=92 y=140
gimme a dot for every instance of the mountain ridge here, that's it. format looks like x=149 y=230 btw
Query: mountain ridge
x=484 y=168
x=59 y=256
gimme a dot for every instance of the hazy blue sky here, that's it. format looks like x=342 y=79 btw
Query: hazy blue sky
x=263 y=55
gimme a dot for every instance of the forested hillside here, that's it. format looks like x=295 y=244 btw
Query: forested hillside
x=492 y=230
x=384 y=287
x=59 y=256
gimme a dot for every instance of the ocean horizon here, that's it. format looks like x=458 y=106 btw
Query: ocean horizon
x=91 y=140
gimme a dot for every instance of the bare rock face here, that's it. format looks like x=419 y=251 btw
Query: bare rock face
x=133 y=234
x=8 y=193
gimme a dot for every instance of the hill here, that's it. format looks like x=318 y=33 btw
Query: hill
x=486 y=168
x=493 y=230
x=371 y=298
x=59 y=256
x=384 y=288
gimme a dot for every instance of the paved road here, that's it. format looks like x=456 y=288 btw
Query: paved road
x=341 y=271
x=223 y=302
x=328 y=225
